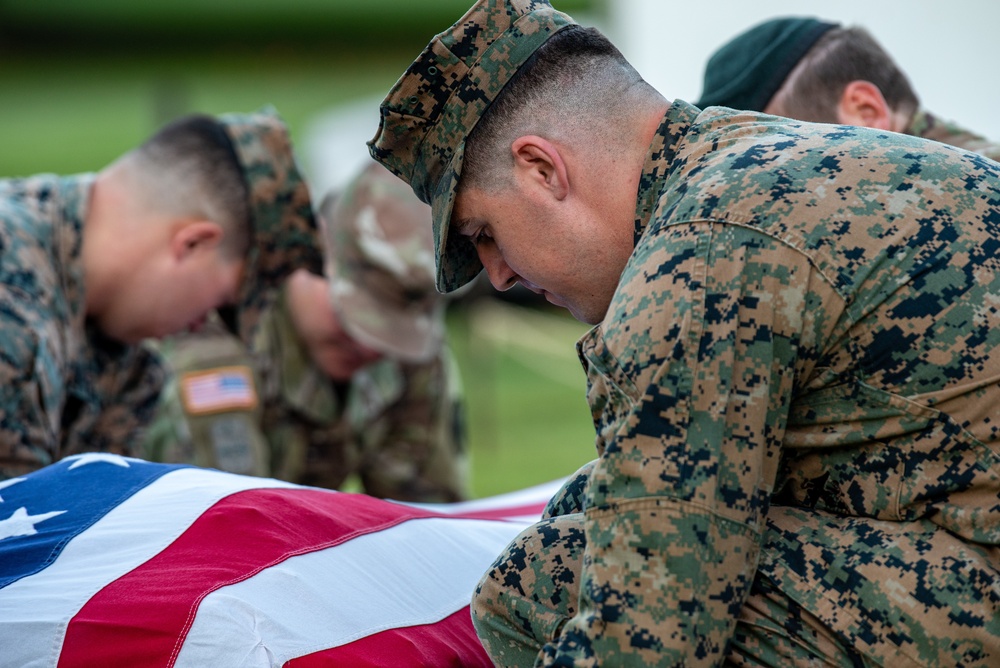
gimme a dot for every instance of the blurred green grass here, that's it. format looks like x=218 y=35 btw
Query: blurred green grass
x=529 y=421
x=342 y=25
x=66 y=117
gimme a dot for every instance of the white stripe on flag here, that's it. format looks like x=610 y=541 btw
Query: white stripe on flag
x=417 y=572
x=151 y=519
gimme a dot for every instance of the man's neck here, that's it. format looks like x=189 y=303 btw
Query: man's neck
x=113 y=242
x=93 y=253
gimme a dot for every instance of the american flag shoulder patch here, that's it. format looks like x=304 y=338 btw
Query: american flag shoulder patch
x=217 y=390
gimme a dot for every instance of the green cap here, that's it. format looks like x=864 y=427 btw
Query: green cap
x=380 y=266
x=429 y=113
x=748 y=70
x=285 y=236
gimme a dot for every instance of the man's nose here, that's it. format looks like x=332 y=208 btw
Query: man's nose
x=501 y=275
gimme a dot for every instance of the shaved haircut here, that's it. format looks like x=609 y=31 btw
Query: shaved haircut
x=570 y=90
x=190 y=169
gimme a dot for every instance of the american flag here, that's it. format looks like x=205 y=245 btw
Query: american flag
x=218 y=389
x=112 y=561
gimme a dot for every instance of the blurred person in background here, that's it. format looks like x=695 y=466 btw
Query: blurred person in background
x=207 y=212
x=349 y=373
x=822 y=72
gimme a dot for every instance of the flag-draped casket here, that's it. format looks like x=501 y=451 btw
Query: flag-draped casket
x=111 y=561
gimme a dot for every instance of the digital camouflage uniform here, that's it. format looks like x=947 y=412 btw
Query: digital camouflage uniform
x=795 y=391
x=397 y=425
x=66 y=389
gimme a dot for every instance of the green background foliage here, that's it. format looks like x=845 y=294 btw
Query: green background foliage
x=83 y=82
x=525 y=391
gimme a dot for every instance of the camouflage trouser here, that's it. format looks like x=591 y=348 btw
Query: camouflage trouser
x=830 y=591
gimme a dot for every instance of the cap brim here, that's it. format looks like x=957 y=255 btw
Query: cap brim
x=411 y=334
x=455 y=257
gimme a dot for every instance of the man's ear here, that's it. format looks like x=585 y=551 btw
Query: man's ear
x=862 y=103
x=195 y=235
x=541 y=162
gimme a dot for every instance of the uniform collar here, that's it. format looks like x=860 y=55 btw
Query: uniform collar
x=660 y=160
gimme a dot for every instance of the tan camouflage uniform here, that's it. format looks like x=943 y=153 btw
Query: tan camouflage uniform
x=66 y=389
x=795 y=391
x=397 y=425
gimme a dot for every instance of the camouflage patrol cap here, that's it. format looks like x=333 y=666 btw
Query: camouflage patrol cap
x=380 y=264
x=746 y=71
x=285 y=236
x=429 y=113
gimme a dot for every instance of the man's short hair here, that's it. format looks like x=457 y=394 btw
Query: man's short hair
x=190 y=168
x=565 y=86
x=746 y=71
x=427 y=117
x=813 y=90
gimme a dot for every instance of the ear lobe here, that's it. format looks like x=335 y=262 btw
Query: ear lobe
x=194 y=236
x=863 y=104
x=541 y=163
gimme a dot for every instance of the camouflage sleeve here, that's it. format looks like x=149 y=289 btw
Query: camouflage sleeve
x=422 y=456
x=29 y=436
x=130 y=389
x=691 y=377
x=209 y=412
x=47 y=413
x=569 y=498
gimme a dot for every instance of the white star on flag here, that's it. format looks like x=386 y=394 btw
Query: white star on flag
x=96 y=457
x=8 y=483
x=23 y=524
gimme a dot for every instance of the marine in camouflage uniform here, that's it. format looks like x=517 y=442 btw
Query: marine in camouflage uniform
x=65 y=386
x=795 y=385
x=803 y=68
x=396 y=422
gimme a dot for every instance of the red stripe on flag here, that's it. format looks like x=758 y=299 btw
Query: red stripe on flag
x=454 y=639
x=148 y=612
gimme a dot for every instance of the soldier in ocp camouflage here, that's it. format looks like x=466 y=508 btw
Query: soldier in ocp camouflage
x=370 y=389
x=818 y=71
x=793 y=377
x=87 y=260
